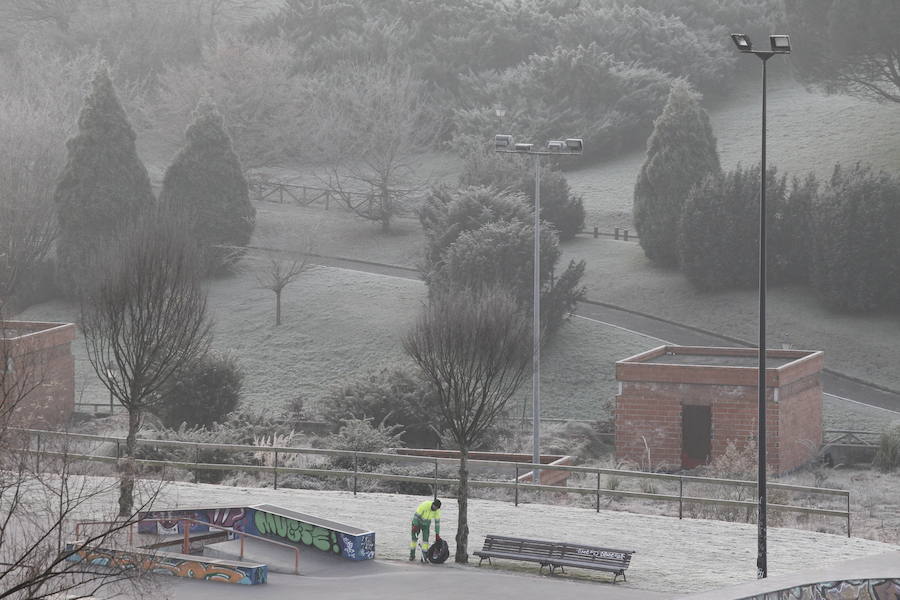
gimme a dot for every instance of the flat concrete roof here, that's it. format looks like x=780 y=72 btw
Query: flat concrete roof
x=718 y=366
x=718 y=360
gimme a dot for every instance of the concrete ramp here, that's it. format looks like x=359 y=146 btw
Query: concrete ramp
x=281 y=560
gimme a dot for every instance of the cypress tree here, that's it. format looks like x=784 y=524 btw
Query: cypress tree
x=103 y=187
x=681 y=152
x=206 y=184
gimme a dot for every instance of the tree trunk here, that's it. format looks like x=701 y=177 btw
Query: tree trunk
x=126 y=464
x=386 y=210
x=277 y=308
x=462 y=528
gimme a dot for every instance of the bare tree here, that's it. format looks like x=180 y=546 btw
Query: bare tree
x=31 y=157
x=474 y=347
x=373 y=122
x=41 y=494
x=277 y=275
x=144 y=320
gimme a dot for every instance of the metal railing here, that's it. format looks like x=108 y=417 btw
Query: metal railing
x=186 y=539
x=436 y=481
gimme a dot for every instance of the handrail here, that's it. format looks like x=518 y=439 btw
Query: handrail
x=435 y=481
x=185 y=548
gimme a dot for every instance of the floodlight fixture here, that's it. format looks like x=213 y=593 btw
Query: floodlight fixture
x=575 y=145
x=522 y=147
x=502 y=141
x=500 y=110
x=781 y=44
x=742 y=41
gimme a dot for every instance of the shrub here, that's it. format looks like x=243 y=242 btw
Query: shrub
x=477 y=237
x=718 y=234
x=856 y=249
x=887 y=456
x=390 y=397
x=509 y=173
x=360 y=435
x=681 y=152
x=564 y=92
x=203 y=394
x=205 y=184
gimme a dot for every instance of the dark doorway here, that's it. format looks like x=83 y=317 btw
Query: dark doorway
x=696 y=431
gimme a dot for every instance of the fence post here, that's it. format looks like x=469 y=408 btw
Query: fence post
x=118 y=451
x=626 y=235
x=680 y=497
x=517 y=485
x=355 y=469
x=276 y=469
x=616 y=233
x=596 y=232
x=196 y=462
x=848 y=514
x=435 y=477
x=186 y=543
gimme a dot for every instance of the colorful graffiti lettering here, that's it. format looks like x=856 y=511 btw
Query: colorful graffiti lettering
x=296 y=531
x=875 y=589
x=170 y=525
x=172 y=565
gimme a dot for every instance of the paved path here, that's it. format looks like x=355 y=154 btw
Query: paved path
x=400 y=581
x=660 y=329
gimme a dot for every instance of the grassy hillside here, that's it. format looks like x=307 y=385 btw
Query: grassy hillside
x=806 y=132
x=338 y=325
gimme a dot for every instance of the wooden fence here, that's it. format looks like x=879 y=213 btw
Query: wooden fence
x=37 y=443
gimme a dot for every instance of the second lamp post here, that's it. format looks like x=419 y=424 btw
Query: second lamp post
x=570 y=146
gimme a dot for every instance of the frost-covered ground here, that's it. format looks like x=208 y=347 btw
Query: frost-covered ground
x=672 y=555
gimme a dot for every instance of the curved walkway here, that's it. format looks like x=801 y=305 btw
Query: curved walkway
x=665 y=331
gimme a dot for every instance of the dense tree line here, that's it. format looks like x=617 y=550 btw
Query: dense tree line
x=839 y=237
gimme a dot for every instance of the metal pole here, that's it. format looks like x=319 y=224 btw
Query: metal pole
x=761 y=558
x=275 y=469
x=517 y=485
x=536 y=326
x=598 y=491
x=680 y=497
x=435 y=478
x=355 y=470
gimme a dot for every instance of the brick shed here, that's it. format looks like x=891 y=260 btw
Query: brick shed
x=37 y=358
x=683 y=404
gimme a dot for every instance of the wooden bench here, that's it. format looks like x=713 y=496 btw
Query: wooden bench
x=556 y=555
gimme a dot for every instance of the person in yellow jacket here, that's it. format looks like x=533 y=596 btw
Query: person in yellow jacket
x=426 y=512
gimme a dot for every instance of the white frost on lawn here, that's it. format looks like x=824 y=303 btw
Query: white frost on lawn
x=672 y=555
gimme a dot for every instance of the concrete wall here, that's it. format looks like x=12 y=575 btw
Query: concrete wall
x=857 y=589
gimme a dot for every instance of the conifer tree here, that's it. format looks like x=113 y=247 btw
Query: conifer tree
x=206 y=184
x=104 y=185
x=681 y=152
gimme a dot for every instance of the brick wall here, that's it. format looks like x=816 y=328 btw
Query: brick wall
x=648 y=421
x=40 y=359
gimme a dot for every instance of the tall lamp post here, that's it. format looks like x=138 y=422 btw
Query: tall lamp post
x=779 y=44
x=571 y=146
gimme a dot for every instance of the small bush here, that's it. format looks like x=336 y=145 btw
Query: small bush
x=887 y=457
x=390 y=397
x=360 y=435
x=205 y=393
